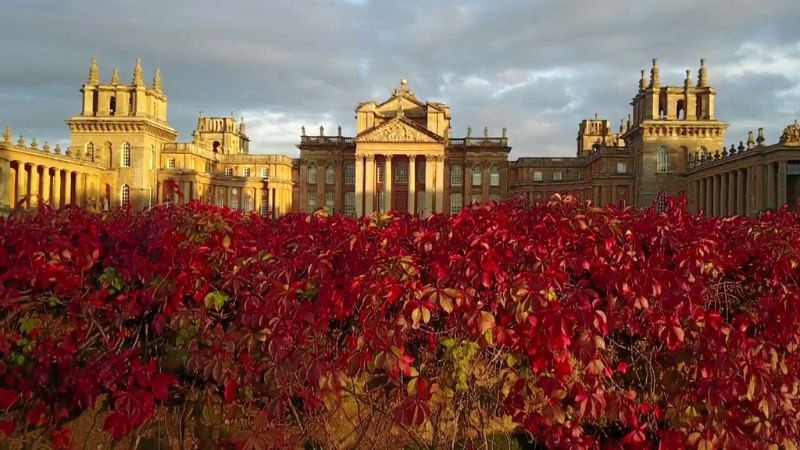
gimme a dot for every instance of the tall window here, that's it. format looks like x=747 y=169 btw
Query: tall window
x=350 y=174
x=90 y=151
x=622 y=167
x=494 y=197
x=381 y=166
x=126 y=155
x=229 y=171
x=557 y=175
x=476 y=198
x=663 y=160
x=264 y=206
x=247 y=171
x=381 y=200
x=125 y=196
x=477 y=176
x=220 y=200
x=171 y=163
x=312 y=175
x=330 y=175
x=234 y=203
x=329 y=201
x=456 y=175
x=265 y=172
x=248 y=201
x=537 y=176
x=400 y=172
x=350 y=204
x=312 y=201
x=421 y=171
x=494 y=176
x=456 y=203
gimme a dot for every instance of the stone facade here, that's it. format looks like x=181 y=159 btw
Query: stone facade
x=402 y=158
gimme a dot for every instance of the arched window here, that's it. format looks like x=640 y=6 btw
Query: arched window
x=680 y=110
x=234 y=199
x=90 y=151
x=330 y=175
x=494 y=176
x=112 y=105
x=477 y=176
x=215 y=146
x=126 y=155
x=663 y=160
x=125 y=196
x=456 y=175
x=312 y=174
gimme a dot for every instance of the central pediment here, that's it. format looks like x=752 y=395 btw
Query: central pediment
x=398 y=130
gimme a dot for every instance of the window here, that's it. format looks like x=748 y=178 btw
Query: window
x=476 y=198
x=125 y=196
x=456 y=203
x=494 y=176
x=557 y=175
x=234 y=204
x=476 y=176
x=380 y=170
x=494 y=197
x=401 y=172
x=456 y=175
x=663 y=160
x=126 y=155
x=265 y=172
x=247 y=171
x=264 y=205
x=421 y=171
x=220 y=200
x=350 y=174
x=171 y=163
x=537 y=176
x=329 y=201
x=229 y=171
x=330 y=175
x=576 y=175
x=312 y=201
x=90 y=151
x=622 y=167
x=350 y=204
x=661 y=202
x=312 y=175
x=248 y=201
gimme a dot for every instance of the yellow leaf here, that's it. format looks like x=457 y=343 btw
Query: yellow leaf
x=705 y=444
x=226 y=242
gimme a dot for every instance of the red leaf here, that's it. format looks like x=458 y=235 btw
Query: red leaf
x=160 y=385
x=7 y=398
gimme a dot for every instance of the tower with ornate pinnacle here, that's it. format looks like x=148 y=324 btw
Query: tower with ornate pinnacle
x=670 y=127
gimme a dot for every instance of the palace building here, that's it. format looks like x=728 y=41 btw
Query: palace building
x=403 y=157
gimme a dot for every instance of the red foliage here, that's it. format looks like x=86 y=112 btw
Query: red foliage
x=617 y=327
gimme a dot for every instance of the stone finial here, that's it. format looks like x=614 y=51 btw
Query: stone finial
x=242 y=126
x=469 y=131
x=655 y=80
x=340 y=131
x=486 y=132
x=760 y=139
x=642 y=82
x=702 y=78
x=621 y=126
x=750 y=141
x=688 y=80
x=46 y=147
x=724 y=151
x=68 y=152
x=505 y=132
x=21 y=141
x=34 y=144
x=115 y=76
x=94 y=72
x=7 y=134
x=321 y=130
x=137 y=73
x=157 y=80
x=717 y=155
x=57 y=150
x=741 y=147
x=628 y=124
x=303 y=130
x=732 y=151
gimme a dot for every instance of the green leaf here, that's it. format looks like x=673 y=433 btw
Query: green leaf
x=215 y=300
x=109 y=277
x=448 y=342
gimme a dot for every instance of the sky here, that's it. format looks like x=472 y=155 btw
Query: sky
x=535 y=67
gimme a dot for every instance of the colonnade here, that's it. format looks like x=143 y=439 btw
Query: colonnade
x=740 y=191
x=366 y=191
x=32 y=183
x=271 y=201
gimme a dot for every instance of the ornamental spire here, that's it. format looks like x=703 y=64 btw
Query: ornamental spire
x=655 y=81
x=94 y=72
x=115 y=76
x=642 y=82
x=687 y=81
x=157 y=80
x=702 y=79
x=7 y=134
x=137 y=72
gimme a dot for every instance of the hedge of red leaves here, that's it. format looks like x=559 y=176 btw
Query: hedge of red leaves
x=617 y=328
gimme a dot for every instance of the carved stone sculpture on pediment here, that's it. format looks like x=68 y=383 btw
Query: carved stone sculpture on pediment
x=791 y=135
x=396 y=131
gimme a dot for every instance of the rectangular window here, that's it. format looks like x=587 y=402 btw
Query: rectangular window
x=171 y=163
x=247 y=171
x=329 y=201
x=312 y=201
x=456 y=203
x=557 y=175
x=381 y=203
x=264 y=206
x=229 y=171
x=400 y=172
x=622 y=167
x=494 y=197
x=476 y=176
x=456 y=175
x=265 y=172
x=350 y=203
x=312 y=174
x=421 y=172
x=494 y=176
x=476 y=198
x=537 y=176
x=576 y=175
x=350 y=174
x=380 y=171
x=330 y=175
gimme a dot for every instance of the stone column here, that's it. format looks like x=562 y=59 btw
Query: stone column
x=715 y=197
x=596 y=196
x=723 y=194
x=709 y=196
x=359 y=185
x=258 y=199
x=741 y=192
x=485 y=182
x=302 y=191
x=781 y=184
x=412 y=183
x=6 y=188
x=430 y=189
x=369 y=185
x=320 y=186
x=467 y=183
x=68 y=188
x=57 y=180
x=387 y=182
x=187 y=192
x=731 y=193
x=47 y=186
x=771 y=186
x=22 y=182
x=759 y=181
x=750 y=205
x=701 y=195
x=34 y=190
x=440 y=184
x=338 y=185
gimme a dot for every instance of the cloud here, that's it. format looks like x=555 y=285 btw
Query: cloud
x=535 y=67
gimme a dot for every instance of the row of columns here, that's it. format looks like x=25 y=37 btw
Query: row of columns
x=277 y=200
x=742 y=191
x=32 y=184
x=366 y=183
